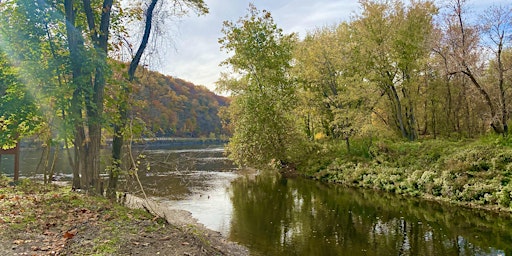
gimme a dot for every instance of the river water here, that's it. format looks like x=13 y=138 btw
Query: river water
x=275 y=216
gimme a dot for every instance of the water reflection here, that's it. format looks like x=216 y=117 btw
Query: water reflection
x=195 y=180
x=275 y=216
x=181 y=174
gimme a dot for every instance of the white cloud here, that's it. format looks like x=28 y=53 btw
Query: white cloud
x=196 y=54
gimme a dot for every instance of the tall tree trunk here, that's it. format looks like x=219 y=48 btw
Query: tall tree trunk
x=397 y=110
x=118 y=139
x=74 y=43
x=501 y=81
x=496 y=121
x=410 y=117
x=434 y=121
x=94 y=103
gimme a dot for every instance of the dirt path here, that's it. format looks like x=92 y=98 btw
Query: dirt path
x=51 y=220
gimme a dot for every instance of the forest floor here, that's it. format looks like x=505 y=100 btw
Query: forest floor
x=38 y=219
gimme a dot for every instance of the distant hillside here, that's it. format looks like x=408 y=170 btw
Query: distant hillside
x=174 y=107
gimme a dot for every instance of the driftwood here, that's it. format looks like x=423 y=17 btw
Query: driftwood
x=179 y=218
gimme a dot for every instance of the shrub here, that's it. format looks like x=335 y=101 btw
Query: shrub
x=471 y=172
x=504 y=196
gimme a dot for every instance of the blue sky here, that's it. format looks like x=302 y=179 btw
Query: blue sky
x=193 y=53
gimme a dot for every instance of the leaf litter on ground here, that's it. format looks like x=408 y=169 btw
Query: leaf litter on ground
x=37 y=219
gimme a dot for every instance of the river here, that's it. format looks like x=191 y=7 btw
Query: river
x=275 y=216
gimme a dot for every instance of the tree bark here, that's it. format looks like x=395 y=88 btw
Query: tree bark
x=501 y=81
x=74 y=43
x=94 y=102
x=118 y=139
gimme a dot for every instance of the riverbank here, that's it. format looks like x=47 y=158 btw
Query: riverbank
x=474 y=173
x=52 y=220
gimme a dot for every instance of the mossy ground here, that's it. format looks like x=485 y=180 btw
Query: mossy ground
x=38 y=219
x=476 y=173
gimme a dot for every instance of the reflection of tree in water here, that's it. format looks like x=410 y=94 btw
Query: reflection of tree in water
x=275 y=216
x=255 y=210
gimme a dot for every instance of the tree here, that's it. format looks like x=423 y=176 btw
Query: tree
x=263 y=95
x=70 y=57
x=497 y=25
x=334 y=98
x=467 y=57
x=40 y=67
x=120 y=125
x=318 y=69
x=89 y=68
x=18 y=113
x=393 y=44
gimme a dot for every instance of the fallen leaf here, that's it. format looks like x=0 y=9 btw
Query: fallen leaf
x=46 y=248
x=68 y=235
x=18 y=242
x=185 y=243
x=107 y=217
x=48 y=233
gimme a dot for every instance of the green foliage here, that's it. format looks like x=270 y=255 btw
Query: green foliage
x=59 y=52
x=334 y=100
x=18 y=113
x=263 y=94
x=392 y=46
x=361 y=88
x=39 y=62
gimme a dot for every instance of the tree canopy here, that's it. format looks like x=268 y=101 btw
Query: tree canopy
x=397 y=70
x=60 y=51
x=262 y=92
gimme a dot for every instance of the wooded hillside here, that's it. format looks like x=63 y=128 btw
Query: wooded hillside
x=173 y=107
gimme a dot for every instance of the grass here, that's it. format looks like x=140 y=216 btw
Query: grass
x=31 y=209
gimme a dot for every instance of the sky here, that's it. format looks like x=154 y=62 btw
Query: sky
x=193 y=52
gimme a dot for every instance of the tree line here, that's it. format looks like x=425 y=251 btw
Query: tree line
x=397 y=69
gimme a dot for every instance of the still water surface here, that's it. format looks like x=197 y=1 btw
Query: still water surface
x=275 y=216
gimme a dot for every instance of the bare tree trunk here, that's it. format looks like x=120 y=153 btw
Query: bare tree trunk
x=43 y=162
x=74 y=42
x=397 y=110
x=496 y=122
x=501 y=81
x=118 y=140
